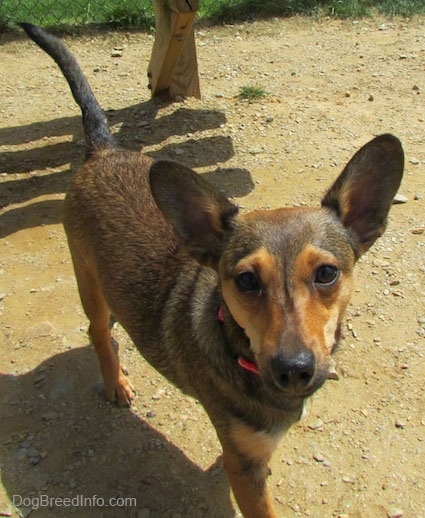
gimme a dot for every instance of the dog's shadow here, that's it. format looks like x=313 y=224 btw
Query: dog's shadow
x=135 y=127
x=60 y=439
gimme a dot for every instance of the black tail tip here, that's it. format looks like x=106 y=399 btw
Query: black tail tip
x=26 y=25
x=29 y=28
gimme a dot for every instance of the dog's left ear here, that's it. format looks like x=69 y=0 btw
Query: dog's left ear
x=199 y=213
x=362 y=195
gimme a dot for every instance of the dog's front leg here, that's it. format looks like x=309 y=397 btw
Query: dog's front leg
x=246 y=454
x=248 y=483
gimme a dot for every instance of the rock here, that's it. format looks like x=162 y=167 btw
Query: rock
x=318 y=457
x=39 y=331
x=316 y=425
x=399 y=198
x=33 y=456
x=413 y=160
x=50 y=415
x=332 y=373
x=380 y=263
x=255 y=150
x=158 y=394
x=394 y=513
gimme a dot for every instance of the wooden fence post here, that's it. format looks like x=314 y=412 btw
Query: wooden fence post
x=173 y=66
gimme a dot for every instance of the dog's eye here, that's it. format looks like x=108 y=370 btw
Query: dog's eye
x=247 y=282
x=326 y=275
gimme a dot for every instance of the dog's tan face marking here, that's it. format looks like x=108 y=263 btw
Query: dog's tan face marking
x=318 y=308
x=259 y=314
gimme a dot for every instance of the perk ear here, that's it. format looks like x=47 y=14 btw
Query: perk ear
x=199 y=213
x=362 y=195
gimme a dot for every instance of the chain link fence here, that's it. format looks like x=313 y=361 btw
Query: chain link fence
x=140 y=13
x=133 y=13
x=77 y=12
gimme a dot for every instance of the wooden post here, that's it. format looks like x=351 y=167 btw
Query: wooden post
x=173 y=66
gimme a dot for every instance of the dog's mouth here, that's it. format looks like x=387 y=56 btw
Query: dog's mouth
x=248 y=365
x=282 y=377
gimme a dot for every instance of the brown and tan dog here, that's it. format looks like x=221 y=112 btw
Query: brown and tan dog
x=241 y=311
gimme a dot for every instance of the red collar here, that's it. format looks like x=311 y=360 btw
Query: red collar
x=244 y=363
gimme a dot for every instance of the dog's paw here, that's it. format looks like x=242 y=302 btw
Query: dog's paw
x=121 y=391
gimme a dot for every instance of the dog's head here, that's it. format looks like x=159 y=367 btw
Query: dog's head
x=286 y=274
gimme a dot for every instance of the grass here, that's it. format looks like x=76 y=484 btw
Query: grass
x=73 y=13
x=251 y=94
x=139 y=13
x=236 y=10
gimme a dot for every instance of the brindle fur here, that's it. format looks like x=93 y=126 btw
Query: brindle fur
x=163 y=251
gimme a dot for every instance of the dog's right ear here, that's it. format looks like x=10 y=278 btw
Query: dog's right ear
x=199 y=213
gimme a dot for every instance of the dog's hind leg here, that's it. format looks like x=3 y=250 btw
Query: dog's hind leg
x=116 y=385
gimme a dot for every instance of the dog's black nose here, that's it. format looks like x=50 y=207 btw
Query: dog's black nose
x=293 y=371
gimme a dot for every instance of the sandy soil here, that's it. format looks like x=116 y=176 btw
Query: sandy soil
x=332 y=86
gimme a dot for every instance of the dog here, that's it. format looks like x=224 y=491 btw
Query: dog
x=240 y=311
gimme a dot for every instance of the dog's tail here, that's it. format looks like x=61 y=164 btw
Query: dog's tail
x=98 y=135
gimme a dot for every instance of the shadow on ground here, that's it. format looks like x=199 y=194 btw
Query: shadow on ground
x=61 y=439
x=134 y=128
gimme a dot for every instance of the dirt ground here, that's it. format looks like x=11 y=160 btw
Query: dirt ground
x=332 y=86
